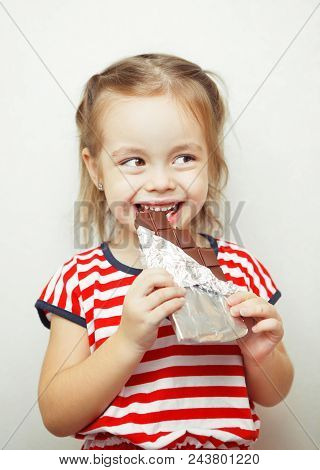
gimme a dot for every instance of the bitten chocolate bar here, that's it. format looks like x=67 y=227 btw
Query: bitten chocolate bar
x=205 y=316
x=159 y=224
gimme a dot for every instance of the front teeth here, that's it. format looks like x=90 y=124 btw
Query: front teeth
x=157 y=208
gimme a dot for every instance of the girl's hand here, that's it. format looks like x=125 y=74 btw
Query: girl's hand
x=152 y=296
x=263 y=322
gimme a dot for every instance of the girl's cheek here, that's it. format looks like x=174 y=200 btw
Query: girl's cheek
x=124 y=211
x=188 y=211
x=185 y=215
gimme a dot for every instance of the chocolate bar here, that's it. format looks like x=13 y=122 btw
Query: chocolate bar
x=157 y=222
x=205 y=317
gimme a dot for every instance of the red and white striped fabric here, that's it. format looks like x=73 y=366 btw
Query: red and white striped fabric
x=179 y=396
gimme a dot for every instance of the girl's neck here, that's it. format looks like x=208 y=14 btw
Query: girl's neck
x=125 y=248
x=125 y=240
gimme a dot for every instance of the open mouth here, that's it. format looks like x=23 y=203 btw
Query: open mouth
x=169 y=212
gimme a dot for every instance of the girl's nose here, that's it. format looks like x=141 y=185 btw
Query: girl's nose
x=160 y=180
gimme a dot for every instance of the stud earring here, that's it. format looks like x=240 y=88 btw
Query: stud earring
x=100 y=187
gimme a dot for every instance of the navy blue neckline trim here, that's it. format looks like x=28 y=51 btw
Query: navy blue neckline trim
x=135 y=271
x=117 y=264
x=213 y=242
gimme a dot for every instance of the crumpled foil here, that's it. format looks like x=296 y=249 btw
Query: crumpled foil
x=205 y=317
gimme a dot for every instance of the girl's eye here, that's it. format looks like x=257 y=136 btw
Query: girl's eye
x=131 y=159
x=186 y=156
x=137 y=158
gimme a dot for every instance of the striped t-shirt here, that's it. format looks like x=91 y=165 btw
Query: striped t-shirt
x=192 y=395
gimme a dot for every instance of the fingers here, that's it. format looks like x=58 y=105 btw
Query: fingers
x=160 y=296
x=254 y=307
x=166 y=309
x=240 y=296
x=153 y=278
x=271 y=325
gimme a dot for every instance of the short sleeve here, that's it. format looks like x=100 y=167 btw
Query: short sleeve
x=260 y=281
x=62 y=296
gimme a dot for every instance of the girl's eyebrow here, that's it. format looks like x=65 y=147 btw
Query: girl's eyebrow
x=177 y=148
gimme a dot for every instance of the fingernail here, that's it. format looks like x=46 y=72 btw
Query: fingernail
x=229 y=300
x=243 y=311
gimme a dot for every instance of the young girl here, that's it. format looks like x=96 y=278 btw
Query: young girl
x=151 y=130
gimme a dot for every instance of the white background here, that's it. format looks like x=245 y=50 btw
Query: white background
x=49 y=50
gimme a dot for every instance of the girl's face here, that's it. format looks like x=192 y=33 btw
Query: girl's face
x=152 y=170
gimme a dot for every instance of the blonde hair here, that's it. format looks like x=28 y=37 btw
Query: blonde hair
x=152 y=75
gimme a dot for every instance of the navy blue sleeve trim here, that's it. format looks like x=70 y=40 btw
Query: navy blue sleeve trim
x=276 y=296
x=41 y=306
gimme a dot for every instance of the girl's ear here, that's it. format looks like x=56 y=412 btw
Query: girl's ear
x=91 y=164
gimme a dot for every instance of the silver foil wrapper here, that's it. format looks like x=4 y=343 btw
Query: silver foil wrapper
x=205 y=317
